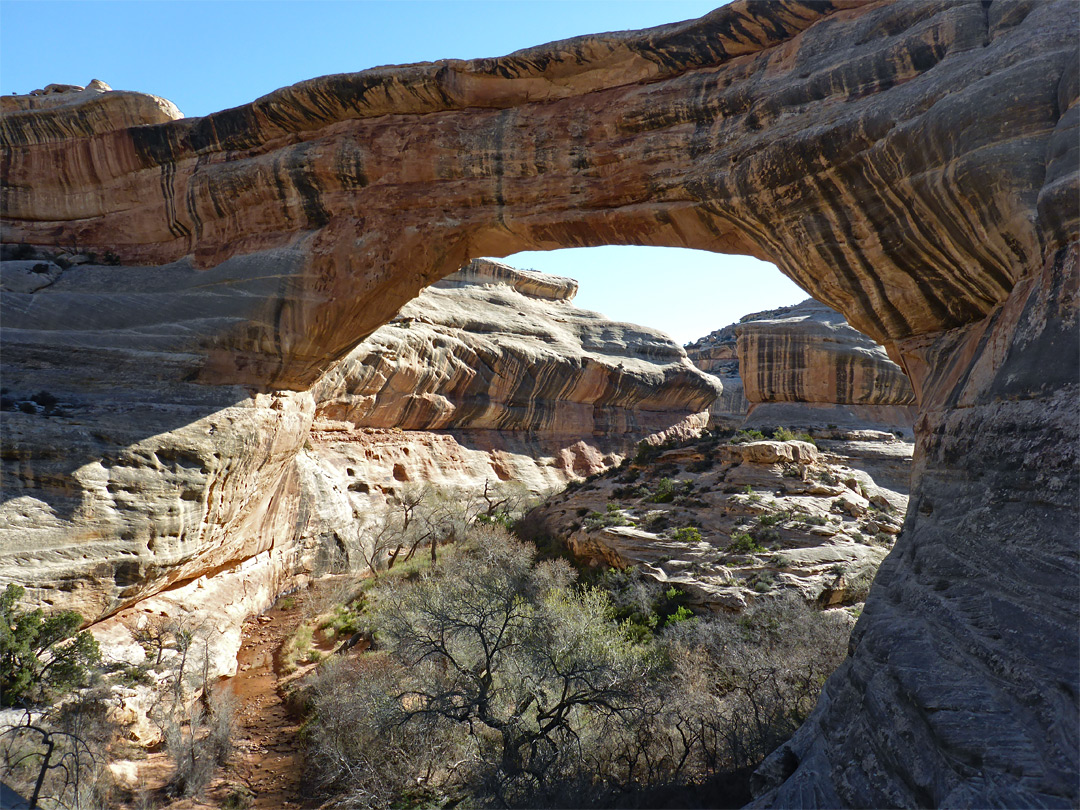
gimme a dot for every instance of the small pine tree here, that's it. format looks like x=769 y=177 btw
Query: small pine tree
x=41 y=656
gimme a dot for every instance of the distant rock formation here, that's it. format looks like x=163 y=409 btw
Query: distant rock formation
x=803 y=366
x=495 y=348
x=716 y=354
x=492 y=376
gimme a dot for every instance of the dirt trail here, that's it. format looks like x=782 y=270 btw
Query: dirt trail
x=266 y=768
x=268 y=760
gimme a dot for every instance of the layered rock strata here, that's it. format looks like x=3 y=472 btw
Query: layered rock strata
x=716 y=354
x=491 y=377
x=495 y=348
x=913 y=165
x=806 y=367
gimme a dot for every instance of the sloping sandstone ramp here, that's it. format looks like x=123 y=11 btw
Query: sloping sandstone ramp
x=911 y=164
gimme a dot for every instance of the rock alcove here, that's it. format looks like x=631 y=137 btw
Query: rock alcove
x=913 y=165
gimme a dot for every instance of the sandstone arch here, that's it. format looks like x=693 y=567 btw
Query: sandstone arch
x=913 y=165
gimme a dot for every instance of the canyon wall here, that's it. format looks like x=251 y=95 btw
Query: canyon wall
x=912 y=165
x=804 y=366
x=716 y=354
x=490 y=378
x=496 y=348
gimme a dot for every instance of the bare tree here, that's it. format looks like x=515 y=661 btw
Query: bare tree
x=195 y=720
x=494 y=659
x=502 y=682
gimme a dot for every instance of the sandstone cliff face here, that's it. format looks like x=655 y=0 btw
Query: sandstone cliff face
x=492 y=377
x=810 y=354
x=913 y=165
x=716 y=354
x=809 y=358
x=494 y=348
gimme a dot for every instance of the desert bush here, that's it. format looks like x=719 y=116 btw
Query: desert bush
x=765 y=534
x=743 y=543
x=666 y=489
x=426 y=518
x=741 y=686
x=195 y=720
x=497 y=674
x=687 y=534
x=782 y=434
x=41 y=657
x=200 y=742
x=772 y=519
x=498 y=681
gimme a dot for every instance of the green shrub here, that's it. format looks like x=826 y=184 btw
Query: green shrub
x=42 y=657
x=762 y=582
x=743 y=543
x=602 y=520
x=665 y=491
x=765 y=534
x=499 y=518
x=646 y=454
x=345 y=621
x=782 y=434
x=681 y=614
x=751 y=496
x=687 y=534
x=744 y=436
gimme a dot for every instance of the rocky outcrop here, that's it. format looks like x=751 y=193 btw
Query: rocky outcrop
x=716 y=354
x=913 y=165
x=490 y=377
x=591 y=141
x=731 y=524
x=64 y=111
x=805 y=366
x=494 y=348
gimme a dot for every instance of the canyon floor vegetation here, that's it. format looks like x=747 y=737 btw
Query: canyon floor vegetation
x=495 y=679
x=453 y=664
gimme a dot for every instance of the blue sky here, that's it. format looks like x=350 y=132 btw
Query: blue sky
x=207 y=55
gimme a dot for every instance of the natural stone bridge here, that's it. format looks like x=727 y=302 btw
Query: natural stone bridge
x=913 y=165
